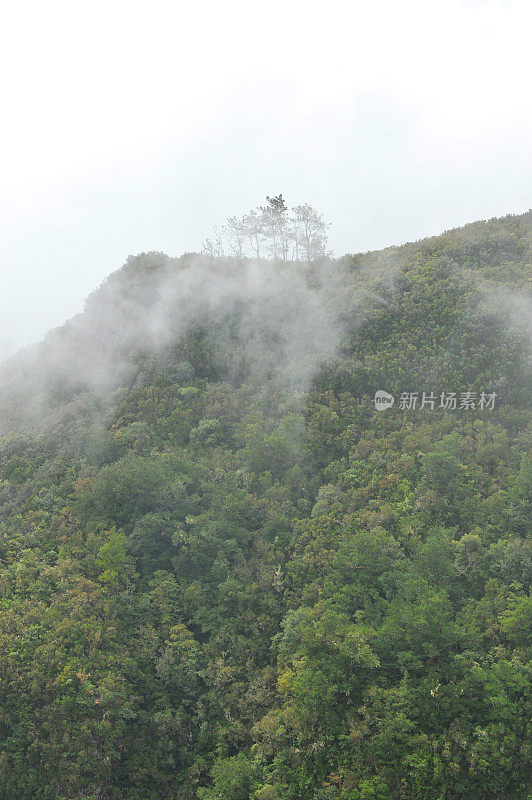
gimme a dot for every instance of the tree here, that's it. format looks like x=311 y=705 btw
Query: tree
x=275 y=224
x=310 y=233
x=234 y=233
x=254 y=232
x=272 y=230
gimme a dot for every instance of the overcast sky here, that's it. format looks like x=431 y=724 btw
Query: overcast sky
x=134 y=126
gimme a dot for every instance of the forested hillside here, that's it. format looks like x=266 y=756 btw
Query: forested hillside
x=225 y=575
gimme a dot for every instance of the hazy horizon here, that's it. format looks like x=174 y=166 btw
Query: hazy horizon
x=142 y=133
x=11 y=349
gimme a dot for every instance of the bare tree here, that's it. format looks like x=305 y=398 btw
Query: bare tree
x=214 y=247
x=310 y=232
x=234 y=234
x=300 y=237
x=254 y=231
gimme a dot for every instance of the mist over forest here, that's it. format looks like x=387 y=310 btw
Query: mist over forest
x=225 y=573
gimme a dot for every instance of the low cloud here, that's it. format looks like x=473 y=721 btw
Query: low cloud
x=275 y=322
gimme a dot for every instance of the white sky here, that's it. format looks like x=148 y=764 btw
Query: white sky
x=134 y=126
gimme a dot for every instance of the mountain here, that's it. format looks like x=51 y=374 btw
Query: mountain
x=226 y=574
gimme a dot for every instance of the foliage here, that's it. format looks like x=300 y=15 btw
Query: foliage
x=213 y=587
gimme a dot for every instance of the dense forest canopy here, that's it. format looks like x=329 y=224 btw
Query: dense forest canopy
x=225 y=574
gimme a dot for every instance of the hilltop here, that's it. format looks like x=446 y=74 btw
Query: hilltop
x=224 y=574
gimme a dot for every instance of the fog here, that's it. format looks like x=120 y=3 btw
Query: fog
x=130 y=129
x=270 y=323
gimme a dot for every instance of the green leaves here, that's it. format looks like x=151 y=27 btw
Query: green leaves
x=118 y=568
x=222 y=589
